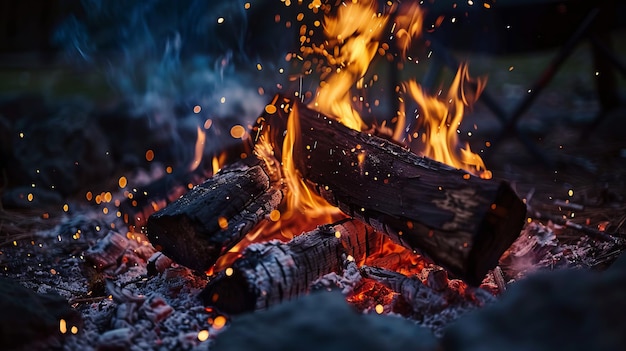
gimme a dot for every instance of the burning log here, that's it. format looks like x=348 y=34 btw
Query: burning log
x=461 y=221
x=269 y=273
x=211 y=218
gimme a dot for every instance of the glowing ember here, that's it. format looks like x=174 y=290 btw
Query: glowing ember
x=63 y=326
x=219 y=322
x=203 y=335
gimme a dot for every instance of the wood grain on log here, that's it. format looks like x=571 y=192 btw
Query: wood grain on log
x=271 y=272
x=461 y=221
x=215 y=215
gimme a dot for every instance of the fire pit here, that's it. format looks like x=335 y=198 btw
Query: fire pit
x=299 y=201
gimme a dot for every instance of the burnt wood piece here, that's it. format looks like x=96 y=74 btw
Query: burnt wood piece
x=462 y=222
x=271 y=272
x=420 y=297
x=425 y=300
x=215 y=215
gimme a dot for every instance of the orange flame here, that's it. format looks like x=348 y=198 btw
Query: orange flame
x=299 y=195
x=353 y=38
x=218 y=161
x=198 y=150
x=441 y=119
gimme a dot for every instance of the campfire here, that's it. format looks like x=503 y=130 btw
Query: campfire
x=318 y=193
x=322 y=165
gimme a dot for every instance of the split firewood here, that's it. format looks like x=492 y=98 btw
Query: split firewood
x=271 y=272
x=462 y=222
x=212 y=217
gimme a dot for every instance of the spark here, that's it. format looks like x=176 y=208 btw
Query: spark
x=203 y=335
x=271 y=109
x=149 y=155
x=237 y=131
x=219 y=322
x=275 y=215
x=222 y=222
x=63 y=326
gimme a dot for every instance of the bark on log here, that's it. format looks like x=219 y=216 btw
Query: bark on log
x=462 y=222
x=215 y=215
x=271 y=272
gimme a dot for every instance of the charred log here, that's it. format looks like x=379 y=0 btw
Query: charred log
x=272 y=272
x=215 y=215
x=461 y=221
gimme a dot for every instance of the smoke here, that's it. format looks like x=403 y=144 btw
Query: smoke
x=155 y=44
x=165 y=57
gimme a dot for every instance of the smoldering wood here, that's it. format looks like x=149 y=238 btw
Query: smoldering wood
x=212 y=217
x=271 y=272
x=437 y=279
x=108 y=251
x=462 y=222
x=420 y=297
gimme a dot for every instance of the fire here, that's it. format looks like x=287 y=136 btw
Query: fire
x=218 y=161
x=353 y=38
x=299 y=195
x=441 y=119
x=352 y=42
x=198 y=150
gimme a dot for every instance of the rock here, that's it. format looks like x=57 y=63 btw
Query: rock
x=560 y=310
x=322 y=321
x=31 y=321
